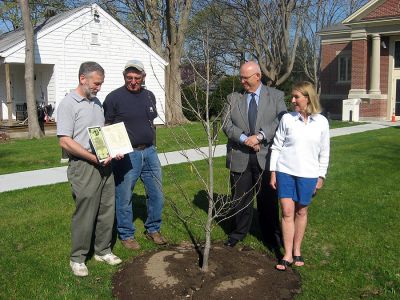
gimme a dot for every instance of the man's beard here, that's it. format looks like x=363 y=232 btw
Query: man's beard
x=89 y=95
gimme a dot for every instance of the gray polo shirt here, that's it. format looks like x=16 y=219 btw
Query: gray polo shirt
x=76 y=113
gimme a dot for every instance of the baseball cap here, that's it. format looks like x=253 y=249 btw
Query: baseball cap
x=134 y=63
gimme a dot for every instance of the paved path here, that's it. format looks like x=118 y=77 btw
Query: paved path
x=28 y=179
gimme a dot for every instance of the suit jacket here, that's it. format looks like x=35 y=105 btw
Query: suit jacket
x=271 y=107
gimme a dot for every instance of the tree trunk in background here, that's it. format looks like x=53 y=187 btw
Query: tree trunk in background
x=162 y=25
x=173 y=102
x=33 y=123
x=177 y=18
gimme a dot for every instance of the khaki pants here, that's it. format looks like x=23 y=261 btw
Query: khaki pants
x=93 y=191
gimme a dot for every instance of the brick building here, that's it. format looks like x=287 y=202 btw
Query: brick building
x=360 y=59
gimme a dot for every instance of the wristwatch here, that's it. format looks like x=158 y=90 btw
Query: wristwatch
x=260 y=137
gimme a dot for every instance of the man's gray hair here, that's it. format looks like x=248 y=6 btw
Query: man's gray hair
x=88 y=67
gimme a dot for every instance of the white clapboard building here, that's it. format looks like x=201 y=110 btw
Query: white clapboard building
x=62 y=43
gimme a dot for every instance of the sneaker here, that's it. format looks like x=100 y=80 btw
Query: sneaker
x=109 y=258
x=131 y=243
x=157 y=238
x=79 y=269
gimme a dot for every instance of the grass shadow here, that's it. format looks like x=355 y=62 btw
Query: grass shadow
x=225 y=221
x=196 y=242
x=139 y=207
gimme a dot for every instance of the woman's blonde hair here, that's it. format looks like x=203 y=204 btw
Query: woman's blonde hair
x=308 y=90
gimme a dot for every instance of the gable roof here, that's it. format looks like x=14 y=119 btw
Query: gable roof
x=375 y=10
x=388 y=9
x=16 y=38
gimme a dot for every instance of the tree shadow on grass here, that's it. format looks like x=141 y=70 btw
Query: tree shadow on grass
x=225 y=222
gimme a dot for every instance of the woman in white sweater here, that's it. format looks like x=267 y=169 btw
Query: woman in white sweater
x=299 y=161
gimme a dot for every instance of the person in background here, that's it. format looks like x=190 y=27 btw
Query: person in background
x=299 y=162
x=92 y=182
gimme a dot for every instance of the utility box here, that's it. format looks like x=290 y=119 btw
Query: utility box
x=351 y=110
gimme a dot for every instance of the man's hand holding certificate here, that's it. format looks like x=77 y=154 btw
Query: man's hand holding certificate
x=110 y=141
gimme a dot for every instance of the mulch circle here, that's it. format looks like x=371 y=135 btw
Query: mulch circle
x=174 y=273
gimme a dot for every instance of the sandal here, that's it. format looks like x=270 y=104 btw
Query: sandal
x=298 y=261
x=283 y=263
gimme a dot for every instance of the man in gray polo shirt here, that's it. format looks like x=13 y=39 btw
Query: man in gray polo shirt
x=92 y=182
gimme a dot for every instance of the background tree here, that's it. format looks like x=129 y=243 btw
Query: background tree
x=270 y=31
x=33 y=123
x=10 y=15
x=39 y=10
x=213 y=17
x=321 y=14
x=162 y=25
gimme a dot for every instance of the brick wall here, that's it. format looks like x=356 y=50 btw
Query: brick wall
x=329 y=70
x=360 y=77
x=390 y=8
x=373 y=108
x=359 y=63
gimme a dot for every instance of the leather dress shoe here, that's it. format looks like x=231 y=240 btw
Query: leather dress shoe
x=230 y=242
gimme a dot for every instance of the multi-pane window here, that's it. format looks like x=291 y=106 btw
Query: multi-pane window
x=344 y=68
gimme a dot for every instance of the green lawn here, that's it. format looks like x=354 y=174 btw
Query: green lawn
x=19 y=155
x=23 y=155
x=351 y=244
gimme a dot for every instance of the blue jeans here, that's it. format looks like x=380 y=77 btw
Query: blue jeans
x=146 y=165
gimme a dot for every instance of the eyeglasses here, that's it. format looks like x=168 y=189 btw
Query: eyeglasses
x=247 y=77
x=130 y=78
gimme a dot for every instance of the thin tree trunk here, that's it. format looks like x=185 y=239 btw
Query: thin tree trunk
x=33 y=123
x=210 y=136
x=207 y=246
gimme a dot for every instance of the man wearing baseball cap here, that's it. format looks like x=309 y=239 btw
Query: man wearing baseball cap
x=136 y=107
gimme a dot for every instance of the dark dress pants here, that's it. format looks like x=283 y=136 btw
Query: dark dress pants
x=244 y=186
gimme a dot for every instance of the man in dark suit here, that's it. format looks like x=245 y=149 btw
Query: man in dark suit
x=250 y=121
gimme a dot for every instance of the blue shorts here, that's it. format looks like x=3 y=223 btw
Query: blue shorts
x=300 y=189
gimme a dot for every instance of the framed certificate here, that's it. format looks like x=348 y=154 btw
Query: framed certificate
x=110 y=140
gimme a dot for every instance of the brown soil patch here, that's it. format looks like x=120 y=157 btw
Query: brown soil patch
x=174 y=273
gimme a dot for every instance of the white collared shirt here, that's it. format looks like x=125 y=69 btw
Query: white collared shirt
x=256 y=96
x=301 y=149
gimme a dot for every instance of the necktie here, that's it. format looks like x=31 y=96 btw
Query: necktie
x=252 y=113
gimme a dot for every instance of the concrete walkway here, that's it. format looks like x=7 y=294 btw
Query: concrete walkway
x=28 y=179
